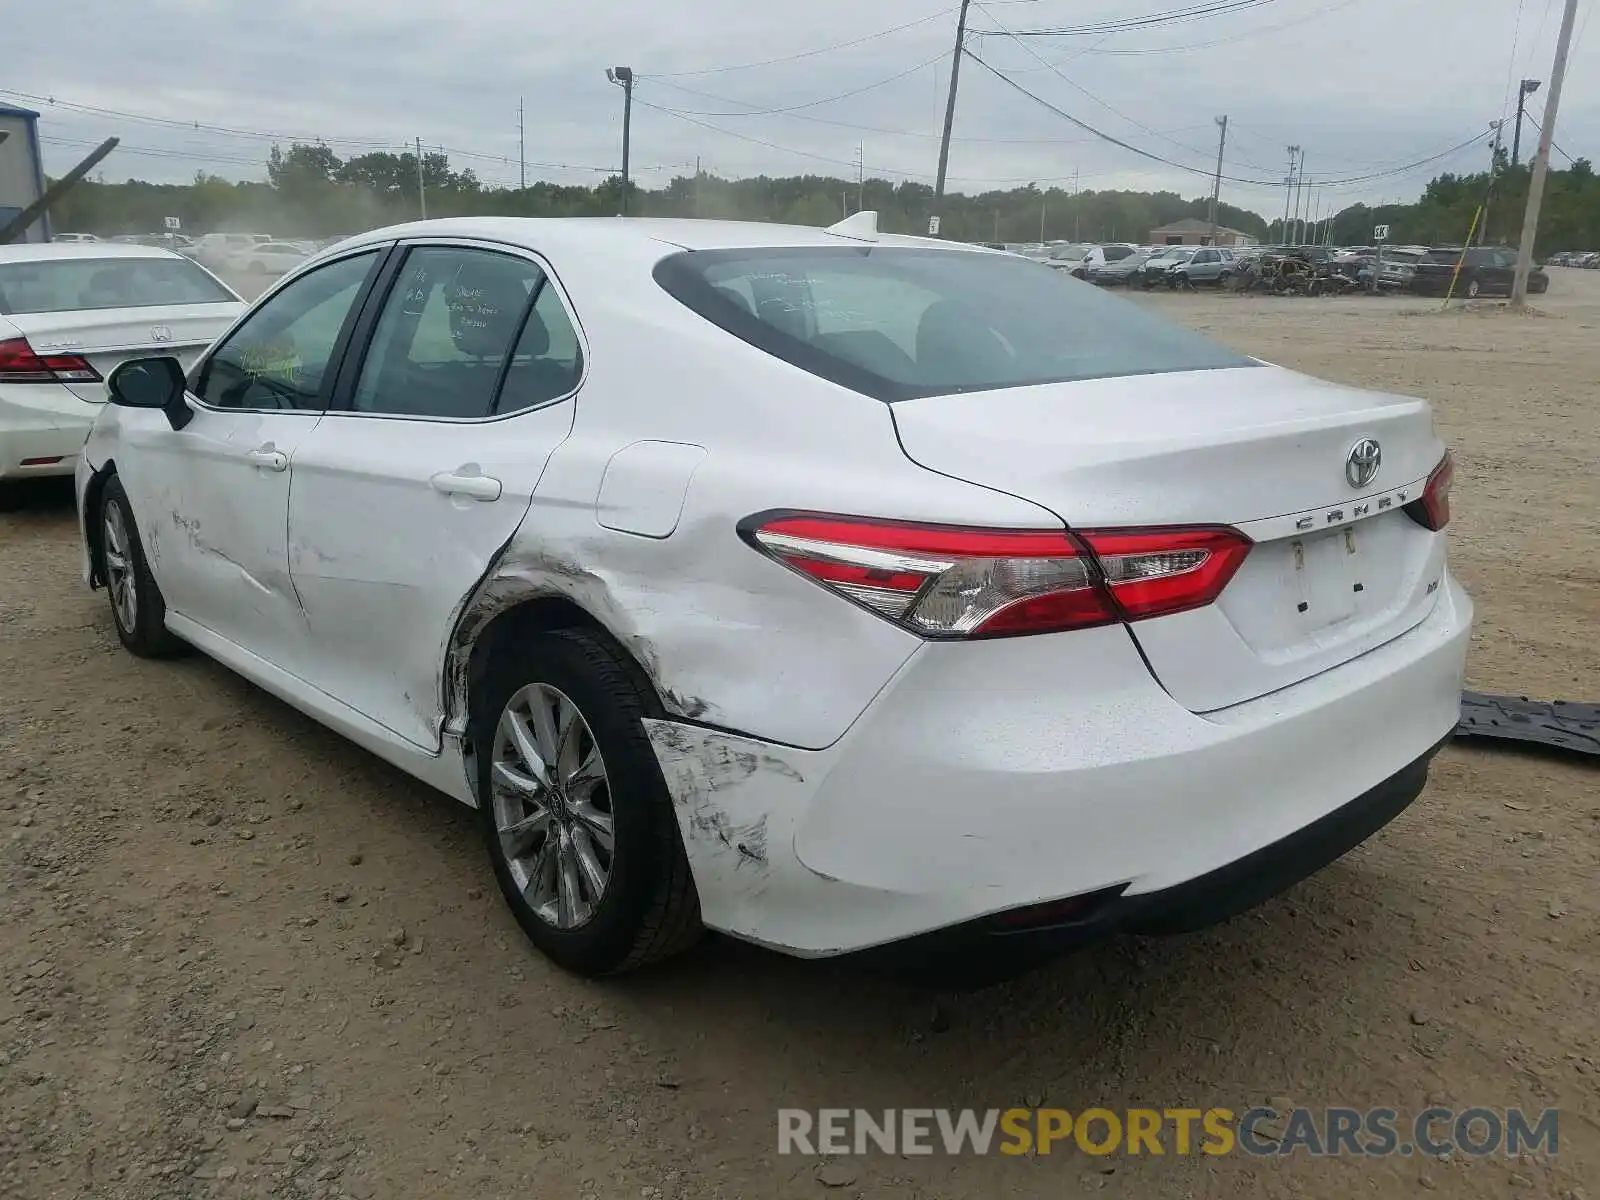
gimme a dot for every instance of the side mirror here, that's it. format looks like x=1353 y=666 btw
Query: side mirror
x=151 y=383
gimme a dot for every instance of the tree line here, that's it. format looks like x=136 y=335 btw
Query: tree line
x=312 y=192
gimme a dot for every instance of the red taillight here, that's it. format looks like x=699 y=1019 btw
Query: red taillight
x=1432 y=509
x=19 y=364
x=946 y=581
x=1158 y=572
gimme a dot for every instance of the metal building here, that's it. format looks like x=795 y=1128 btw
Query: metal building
x=21 y=169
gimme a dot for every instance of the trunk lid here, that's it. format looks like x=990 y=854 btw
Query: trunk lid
x=110 y=336
x=1337 y=569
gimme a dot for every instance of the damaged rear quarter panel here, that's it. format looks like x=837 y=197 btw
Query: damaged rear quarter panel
x=726 y=635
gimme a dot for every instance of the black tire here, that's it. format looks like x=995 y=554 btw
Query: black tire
x=148 y=635
x=12 y=497
x=649 y=910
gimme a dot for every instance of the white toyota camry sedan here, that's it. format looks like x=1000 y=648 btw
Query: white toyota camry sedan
x=848 y=593
x=71 y=312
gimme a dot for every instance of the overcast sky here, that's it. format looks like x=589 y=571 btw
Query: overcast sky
x=1363 y=85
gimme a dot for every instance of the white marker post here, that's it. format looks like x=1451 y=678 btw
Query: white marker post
x=1380 y=235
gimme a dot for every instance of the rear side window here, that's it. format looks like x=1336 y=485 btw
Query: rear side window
x=896 y=323
x=465 y=334
x=85 y=284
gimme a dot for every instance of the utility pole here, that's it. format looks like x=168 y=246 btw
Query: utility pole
x=950 y=110
x=1488 y=196
x=522 y=150
x=697 y=185
x=1076 y=198
x=1288 y=193
x=1044 y=204
x=422 y=195
x=1541 y=160
x=1525 y=89
x=861 y=176
x=623 y=76
x=1299 y=197
x=1216 y=184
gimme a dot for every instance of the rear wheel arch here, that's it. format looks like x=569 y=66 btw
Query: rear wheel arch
x=521 y=623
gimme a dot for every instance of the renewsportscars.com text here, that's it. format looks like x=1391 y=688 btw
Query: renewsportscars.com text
x=1333 y=1131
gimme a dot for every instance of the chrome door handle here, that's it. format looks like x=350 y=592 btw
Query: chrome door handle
x=462 y=482
x=271 y=460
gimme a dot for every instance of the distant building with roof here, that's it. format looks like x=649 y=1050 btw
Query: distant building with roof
x=21 y=169
x=1190 y=232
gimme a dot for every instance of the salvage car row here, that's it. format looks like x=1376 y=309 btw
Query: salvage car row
x=1467 y=273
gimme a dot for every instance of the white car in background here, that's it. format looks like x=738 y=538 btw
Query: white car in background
x=271 y=258
x=69 y=313
x=848 y=593
x=226 y=251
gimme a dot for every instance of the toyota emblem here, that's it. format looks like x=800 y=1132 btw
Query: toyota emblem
x=160 y=333
x=1362 y=463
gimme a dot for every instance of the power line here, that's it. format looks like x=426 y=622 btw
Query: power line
x=678 y=87
x=1143 y=153
x=769 y=62
x=1241 y=36
x=370 y=144
x=1085 y=91
x=1511 y=67
x=155 y=152
x=1194 y=12
x=1538 y=126
x=840 y=162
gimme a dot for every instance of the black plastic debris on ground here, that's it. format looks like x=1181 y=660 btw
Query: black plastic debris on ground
x=1558 y=724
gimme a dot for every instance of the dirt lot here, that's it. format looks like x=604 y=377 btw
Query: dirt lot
x=239 y=957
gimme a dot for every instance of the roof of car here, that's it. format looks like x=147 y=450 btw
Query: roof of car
x=553 y=233
x=51 y=251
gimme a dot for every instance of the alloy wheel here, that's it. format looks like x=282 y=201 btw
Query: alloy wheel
x=119 y=568
x=552 y=809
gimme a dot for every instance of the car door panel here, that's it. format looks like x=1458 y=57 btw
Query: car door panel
x=397 y=511
x=212 y=499
x=213 y=511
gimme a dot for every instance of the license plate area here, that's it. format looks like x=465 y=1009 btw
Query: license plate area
x=1327 y=577
x=1307 y=593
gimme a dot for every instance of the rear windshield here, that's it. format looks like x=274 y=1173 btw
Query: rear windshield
x=1113 y=253
x=896 y=323
x=78 y=284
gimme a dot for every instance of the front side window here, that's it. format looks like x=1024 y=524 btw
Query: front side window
x=86 y=284
x=281 y=356
x=462 y=329
x=897 y=323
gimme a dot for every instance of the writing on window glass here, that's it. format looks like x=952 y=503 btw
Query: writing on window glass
x=470 y=309
x=279 y=361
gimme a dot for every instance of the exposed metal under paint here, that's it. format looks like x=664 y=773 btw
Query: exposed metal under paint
x=521 y=574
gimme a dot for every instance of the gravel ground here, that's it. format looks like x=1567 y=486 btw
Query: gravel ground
x=239 y=957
